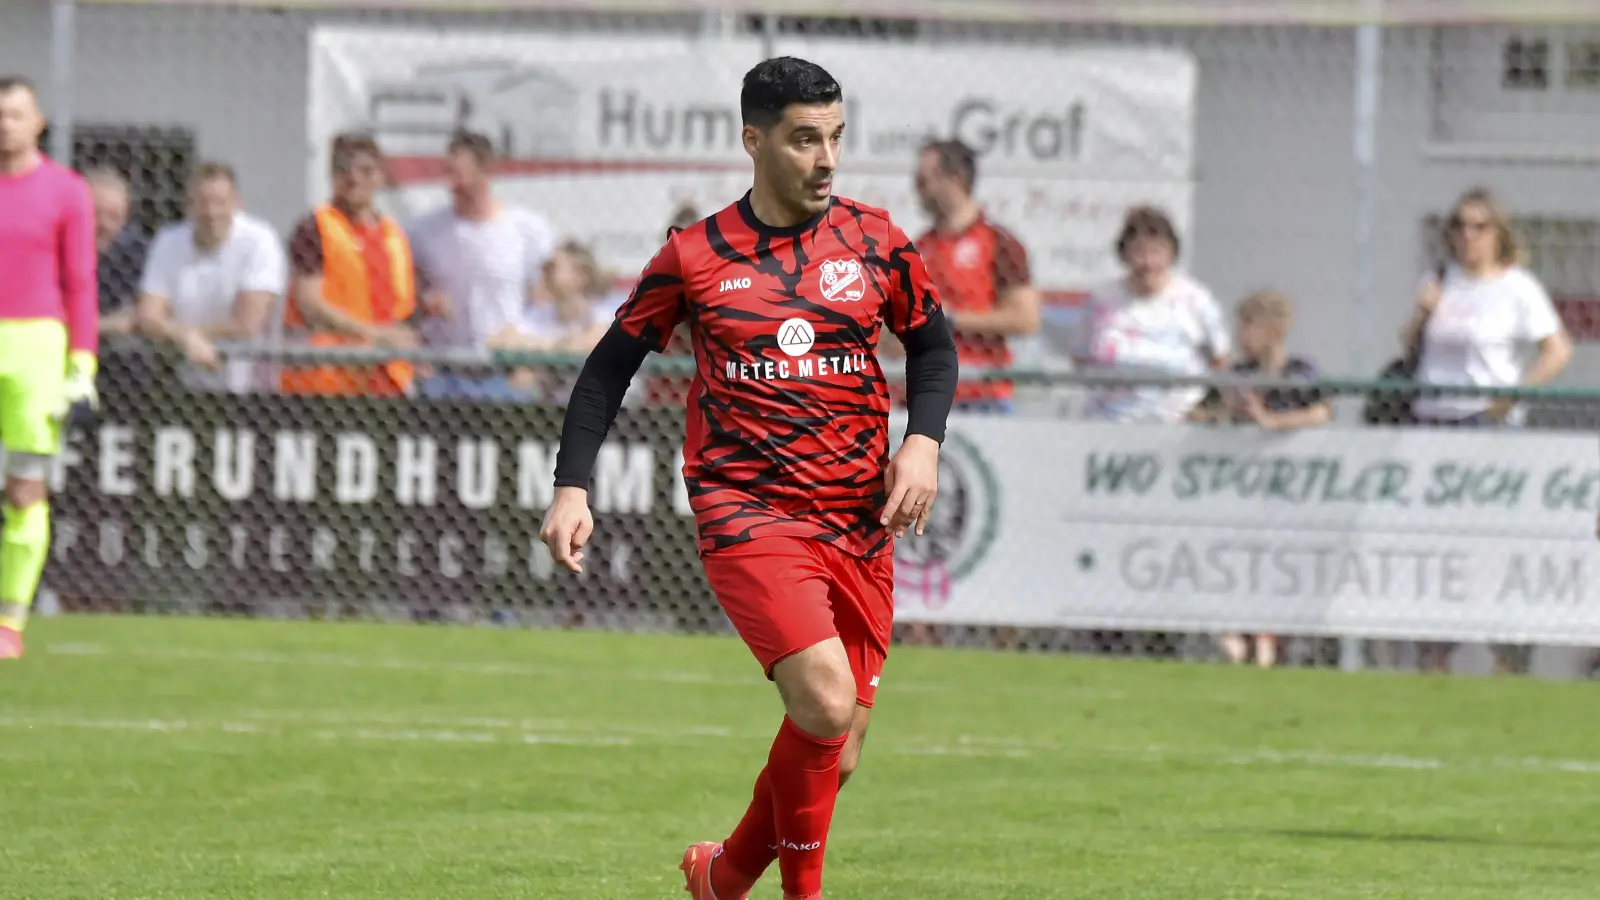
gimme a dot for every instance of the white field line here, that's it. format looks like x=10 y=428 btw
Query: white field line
x=654 y=676
x=443 y=730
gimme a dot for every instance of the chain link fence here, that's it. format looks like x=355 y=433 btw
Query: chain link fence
x=1060 y=533
x=1249 y=132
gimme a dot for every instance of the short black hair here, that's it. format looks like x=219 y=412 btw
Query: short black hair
x=776 y=84
x=474 y=143
x=955 y=158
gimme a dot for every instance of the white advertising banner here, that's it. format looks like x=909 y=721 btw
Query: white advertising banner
x=1405 y=533
x=608 y=134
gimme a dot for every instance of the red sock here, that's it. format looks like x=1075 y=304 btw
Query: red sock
x=752 y=846
x=804 y=772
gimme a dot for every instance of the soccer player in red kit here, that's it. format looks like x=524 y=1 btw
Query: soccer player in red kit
x=786 y=455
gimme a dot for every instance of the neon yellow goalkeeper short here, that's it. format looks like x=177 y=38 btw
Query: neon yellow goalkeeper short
x=33 y=374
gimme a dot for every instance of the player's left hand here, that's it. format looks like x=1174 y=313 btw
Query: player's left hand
x=912 y=481
x=81 y=400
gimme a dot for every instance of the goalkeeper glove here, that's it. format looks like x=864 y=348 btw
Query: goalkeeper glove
x=82 y=401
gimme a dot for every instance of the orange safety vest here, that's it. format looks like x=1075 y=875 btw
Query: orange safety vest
x=346 y=287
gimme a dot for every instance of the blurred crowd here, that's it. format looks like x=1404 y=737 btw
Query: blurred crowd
x=475 y=275
x=478 y=274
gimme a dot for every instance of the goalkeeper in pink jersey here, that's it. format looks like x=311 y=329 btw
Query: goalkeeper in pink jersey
x=49 y=320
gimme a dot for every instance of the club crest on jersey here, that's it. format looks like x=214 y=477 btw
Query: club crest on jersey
x=841 y=280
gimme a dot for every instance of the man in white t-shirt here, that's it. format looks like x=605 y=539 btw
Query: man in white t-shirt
x=477 y=260
x=216 y=276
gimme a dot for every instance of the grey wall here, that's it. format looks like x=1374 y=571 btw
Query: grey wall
x=1275 y=198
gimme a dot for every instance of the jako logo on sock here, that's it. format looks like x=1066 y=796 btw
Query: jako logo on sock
x=816 y=845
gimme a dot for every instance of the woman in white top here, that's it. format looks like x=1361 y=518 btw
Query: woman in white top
x=1476 y=324
x=1155 y=320
x=567 y=312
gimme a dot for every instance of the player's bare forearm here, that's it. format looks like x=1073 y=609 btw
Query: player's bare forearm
x=1015 y=313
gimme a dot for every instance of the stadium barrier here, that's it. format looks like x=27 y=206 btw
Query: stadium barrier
x=1052 y=529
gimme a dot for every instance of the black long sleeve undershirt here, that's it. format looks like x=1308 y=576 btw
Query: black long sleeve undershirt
x=931 y=374
x=596 y=397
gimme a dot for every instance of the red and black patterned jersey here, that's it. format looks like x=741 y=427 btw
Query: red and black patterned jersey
x=788 y=425
x=972 y=270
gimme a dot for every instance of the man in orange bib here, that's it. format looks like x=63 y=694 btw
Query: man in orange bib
x=351 y=281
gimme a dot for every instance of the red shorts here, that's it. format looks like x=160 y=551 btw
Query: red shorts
x=784 y=594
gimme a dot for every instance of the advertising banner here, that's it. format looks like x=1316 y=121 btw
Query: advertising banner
x=607 y=134
x=1377 y=532
x=233 y=502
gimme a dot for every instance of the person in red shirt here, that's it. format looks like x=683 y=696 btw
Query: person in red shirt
x=786 y=457
x=980 y=269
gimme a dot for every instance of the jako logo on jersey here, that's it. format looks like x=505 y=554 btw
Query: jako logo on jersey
x=795 y=337
x=734 y=284
x=841 y=280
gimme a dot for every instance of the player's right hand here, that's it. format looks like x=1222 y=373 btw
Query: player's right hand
x=567 y=526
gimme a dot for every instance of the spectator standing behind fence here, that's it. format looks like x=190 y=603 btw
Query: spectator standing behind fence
x=979 y=268
x=568 y=312
x=479 y=260
x=351 y=282
x=216 y=276
x=121 y=248
x=1264 y=318
x=1472 y=324
x=1155 y=320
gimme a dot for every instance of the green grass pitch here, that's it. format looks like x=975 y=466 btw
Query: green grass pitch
x=184 y=758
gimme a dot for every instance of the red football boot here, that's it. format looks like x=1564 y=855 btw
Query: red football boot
x=696 y=868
